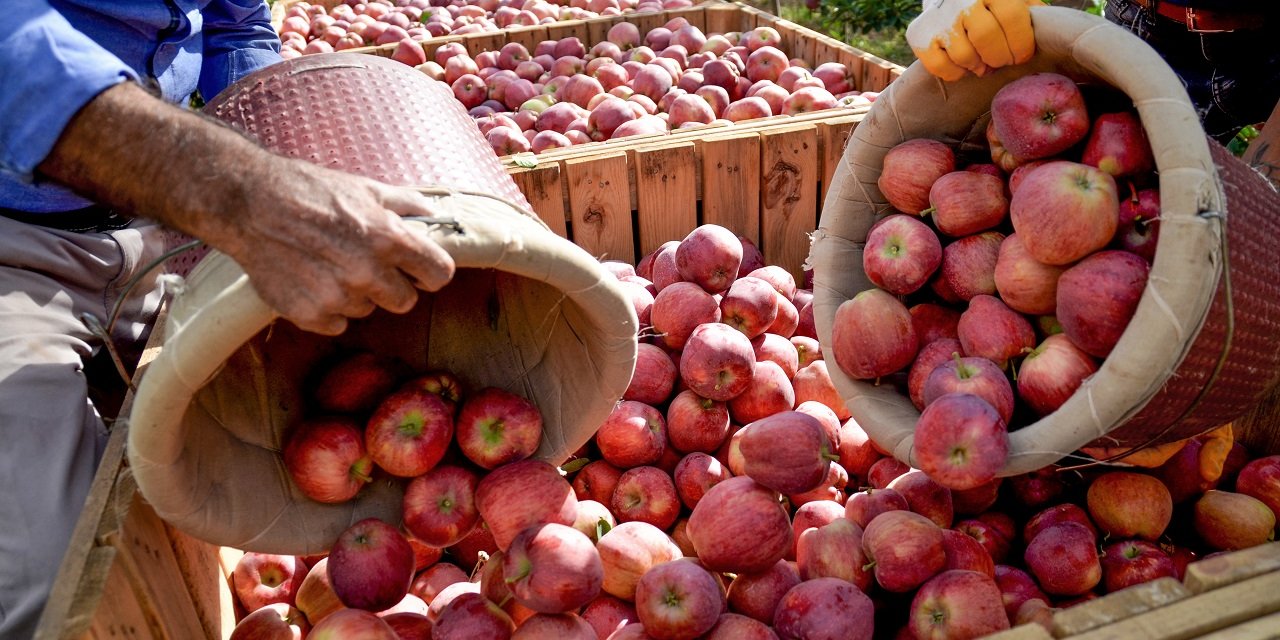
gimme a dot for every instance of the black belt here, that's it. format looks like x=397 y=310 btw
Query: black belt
x=92 y=218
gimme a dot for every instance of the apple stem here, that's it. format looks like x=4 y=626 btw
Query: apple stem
x=929 y=211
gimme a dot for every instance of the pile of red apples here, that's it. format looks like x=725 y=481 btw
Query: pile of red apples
x=1003 y=281
x=566 y=92
x=311 y=28
x=729 y=495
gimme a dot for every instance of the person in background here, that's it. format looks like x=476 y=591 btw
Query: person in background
x=1220 y=49
x=94 y=152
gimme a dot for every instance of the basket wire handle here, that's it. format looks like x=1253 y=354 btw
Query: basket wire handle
x=1224 y=247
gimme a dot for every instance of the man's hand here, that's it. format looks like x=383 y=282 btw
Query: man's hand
x=318 y=245
x=951 y=37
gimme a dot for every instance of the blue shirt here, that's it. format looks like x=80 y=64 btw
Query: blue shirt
x=57 y=55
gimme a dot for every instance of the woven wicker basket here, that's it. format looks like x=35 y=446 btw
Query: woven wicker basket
x=527 y=311
x=1204 y=343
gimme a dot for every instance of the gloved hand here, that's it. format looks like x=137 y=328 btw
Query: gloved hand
x=953 y=36
x=1215 y=446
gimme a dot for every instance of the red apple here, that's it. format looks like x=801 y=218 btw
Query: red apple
x=757 y=594
x=409 y=432
x=807 y=347
x=966 y=202
x=863 y=506
x=961 y=441
x=931 y=355
x=717 y=361
x=973 y=375
x=1052 y=372
x=813 y=383
x=371 y=565
x=884 y=471
x=901 y=254
x=260 y=579
x=788 y=452
x=1039 y=115
x=1064 y=559
x=678 y=309
x=695 y=423
x=1260 y=478
x=646 y=494
x=910 y=169
x=966 y=553
x=326 y=459
x=925 y=496
x=770 y=392
x=633 y=435
x=1128 y=505
x=470 y=616
x=777 y=349
x=731 y=626
x=834 y=550
x=873 y=335
x=933 y=322
x=1056 y=514
x=1118 y=145
x=825 y=609
x=495 y=427
x=992 y=537
x=1129 y=562
x=278 y=621
x=969 y=265
x=1025 y=284
x=709 y=256
x=352 y=623
x=596 y=481
x=355 y=384
x=739 y=526
x=750 y=306
x=990 y=329
x=678 y=599
x=522 y=494
x=958 y=604
x=654 y=376
x=906 y=549
x=1098 y=297
x=1064 y=211
x=553 y=568
x=440 y=507
x=607 y=614
x=1016 y=587
x=695 y=474
x=628 y=551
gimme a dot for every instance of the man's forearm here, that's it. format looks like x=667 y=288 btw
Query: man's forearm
x=1263 y=153
x=142 y=156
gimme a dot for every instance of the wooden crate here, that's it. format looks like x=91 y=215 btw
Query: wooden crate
x=1234 y=596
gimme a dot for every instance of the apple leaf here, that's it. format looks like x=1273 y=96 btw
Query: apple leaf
x=526 y=160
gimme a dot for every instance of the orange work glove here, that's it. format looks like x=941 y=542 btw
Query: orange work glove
x=1213 y=452
x=953 y=36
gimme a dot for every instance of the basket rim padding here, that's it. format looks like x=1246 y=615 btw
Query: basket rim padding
x=1187 y=264
x=218 y=311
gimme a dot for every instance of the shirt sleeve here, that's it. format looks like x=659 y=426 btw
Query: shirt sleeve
x=238 y=40
x=48 y=71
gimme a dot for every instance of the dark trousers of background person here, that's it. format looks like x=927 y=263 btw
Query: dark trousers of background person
x=1232 y=77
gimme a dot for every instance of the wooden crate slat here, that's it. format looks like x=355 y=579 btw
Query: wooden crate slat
x=1028 y=631
x=788 y=195
x=128 y=617
x=200 y=567
x=666 y=179
x=477 y=42
x=569 y=29
x=731 y=183
x=600 y=206
x=647 y=21
x=598 y=30
x=722 y=18
x=1117 y=606
x=543 y=186
x=528 y=36
x=149 y=561
x=833 y=136
x=1199 y=614
x=1219 y=571
x=88 y=596
x=1264 y=628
